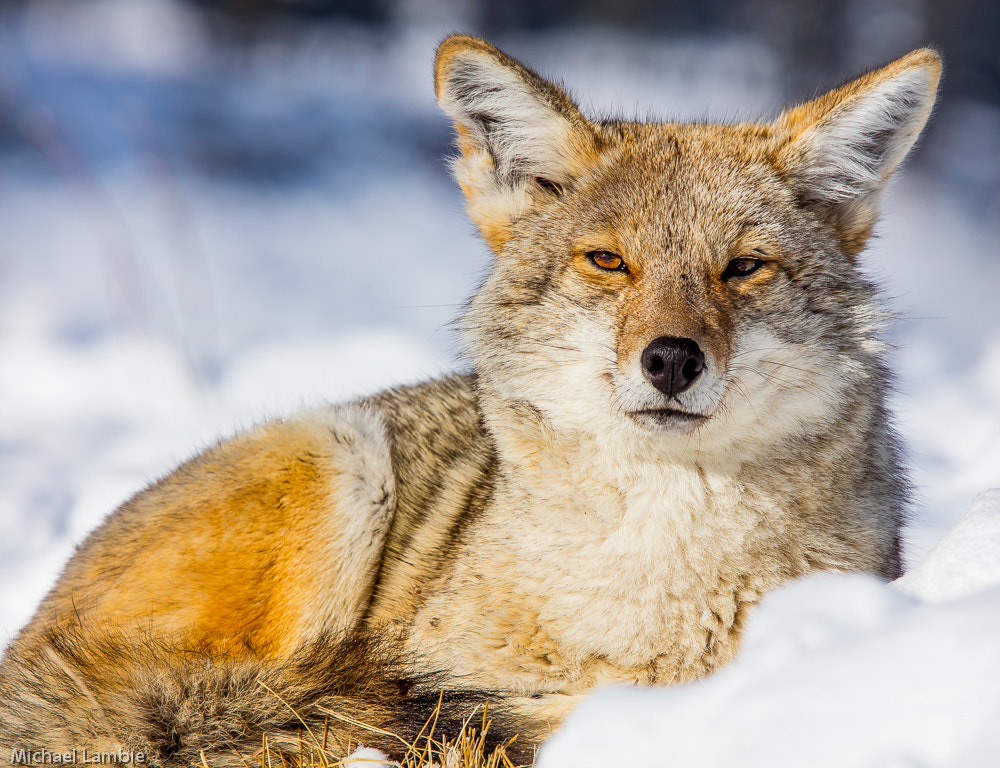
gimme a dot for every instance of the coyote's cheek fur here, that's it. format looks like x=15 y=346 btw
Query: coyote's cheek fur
x=677 y=401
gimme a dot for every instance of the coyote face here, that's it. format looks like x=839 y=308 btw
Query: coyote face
x=675 y=281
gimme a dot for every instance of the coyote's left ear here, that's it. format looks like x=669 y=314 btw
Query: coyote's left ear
x=839 y=150
x=522 y=140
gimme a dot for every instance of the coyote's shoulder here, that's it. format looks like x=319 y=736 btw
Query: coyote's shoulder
x=676 y=402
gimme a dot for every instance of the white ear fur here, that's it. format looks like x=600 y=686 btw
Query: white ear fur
x=859 y=135
x=856 y=148
x=519 y=135
x=505 y=116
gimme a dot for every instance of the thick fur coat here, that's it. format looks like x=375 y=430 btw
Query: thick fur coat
x=677 y=401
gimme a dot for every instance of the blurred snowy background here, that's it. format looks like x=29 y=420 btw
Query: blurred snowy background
x=216 y=210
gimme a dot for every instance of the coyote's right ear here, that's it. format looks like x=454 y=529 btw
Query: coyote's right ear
x=522 y=139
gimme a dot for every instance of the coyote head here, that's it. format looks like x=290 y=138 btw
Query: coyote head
x=676 y=279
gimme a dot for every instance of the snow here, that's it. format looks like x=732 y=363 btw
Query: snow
x=836 y=670
x=965 y=561
x=366 y=757
x=192 y=242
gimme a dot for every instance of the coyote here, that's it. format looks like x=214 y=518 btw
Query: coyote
x=676 y=401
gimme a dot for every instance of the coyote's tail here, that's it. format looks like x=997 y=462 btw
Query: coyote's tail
x=183 y=708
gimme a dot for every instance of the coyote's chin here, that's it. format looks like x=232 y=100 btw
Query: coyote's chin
x=668 y=419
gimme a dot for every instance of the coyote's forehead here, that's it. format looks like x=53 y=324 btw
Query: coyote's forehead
x=682 y=191
x=671 y=150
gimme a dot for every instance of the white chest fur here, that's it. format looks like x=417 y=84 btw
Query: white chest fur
x=649 y=569
x=626 y=569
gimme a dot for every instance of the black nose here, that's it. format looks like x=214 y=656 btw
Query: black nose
x=672 y=365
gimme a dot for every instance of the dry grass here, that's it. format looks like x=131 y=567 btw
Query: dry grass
x=430 y=749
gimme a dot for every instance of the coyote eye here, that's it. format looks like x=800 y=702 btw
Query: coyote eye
x=742 y=266
x=608 y=261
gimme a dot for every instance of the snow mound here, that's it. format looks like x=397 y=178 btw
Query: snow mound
x=965 y=561
x=836 y=670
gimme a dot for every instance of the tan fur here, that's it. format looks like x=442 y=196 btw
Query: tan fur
x=553 y=520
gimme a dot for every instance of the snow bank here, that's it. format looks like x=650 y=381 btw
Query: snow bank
x=836 y=670
x=965 y=561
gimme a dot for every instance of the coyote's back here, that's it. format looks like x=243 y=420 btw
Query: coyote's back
x=677 y=401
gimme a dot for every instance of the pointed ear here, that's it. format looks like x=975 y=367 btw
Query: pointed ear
x=522 y=140
x=839 y=150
